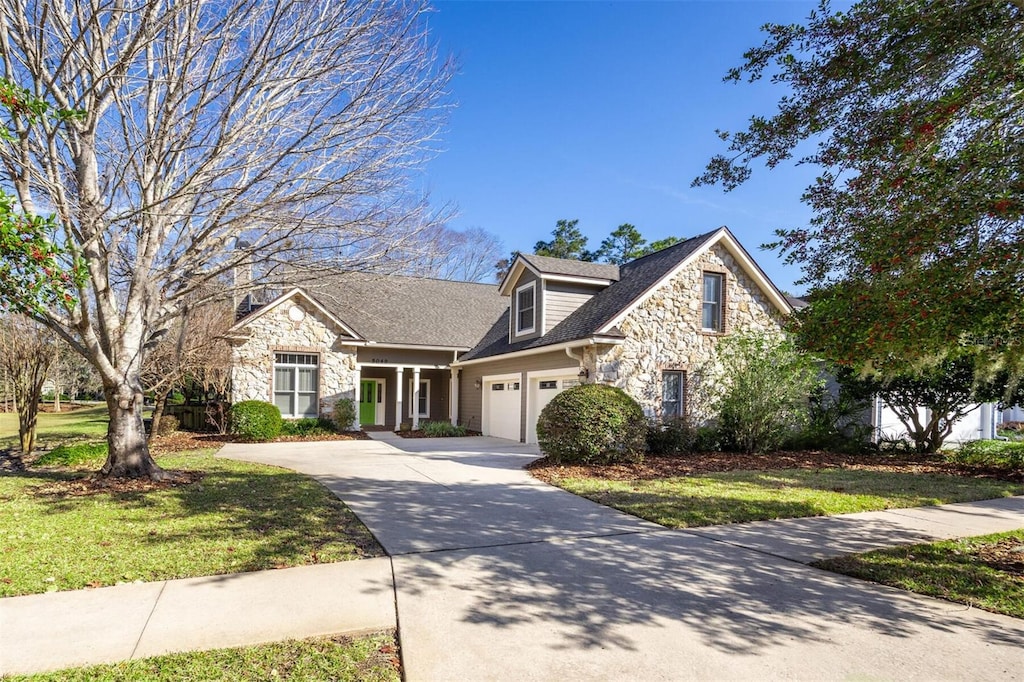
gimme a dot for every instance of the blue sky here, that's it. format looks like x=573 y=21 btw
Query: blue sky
x=605 y=112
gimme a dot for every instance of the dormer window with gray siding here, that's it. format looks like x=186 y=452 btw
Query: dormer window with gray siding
x=526 y=309
x=711 y=318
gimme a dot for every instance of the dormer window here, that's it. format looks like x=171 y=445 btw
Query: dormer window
x=526 y=309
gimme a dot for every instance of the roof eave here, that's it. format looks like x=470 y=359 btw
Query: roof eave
x=602 y=339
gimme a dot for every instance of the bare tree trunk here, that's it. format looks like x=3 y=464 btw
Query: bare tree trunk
x=159 y=403
x=129 y=455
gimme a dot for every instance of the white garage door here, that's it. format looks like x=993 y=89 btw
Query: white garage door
x=542 y=390
x=502 y=409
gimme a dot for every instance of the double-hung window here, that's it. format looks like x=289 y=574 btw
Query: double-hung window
x=673 y=394
x=711 y=315
x=423 y=403
x=295 y=384
x=526 y=308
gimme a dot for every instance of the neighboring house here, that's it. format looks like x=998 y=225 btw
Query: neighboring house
x=491 y=357
x=981 y=423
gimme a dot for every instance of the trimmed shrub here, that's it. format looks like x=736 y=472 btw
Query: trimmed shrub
x=308 y=426
x=168 y=425
x=1000 y=454
x=74 y=454
x=592 y=424
x=256 y=420
x=670 y=437
x=344 y=414
x=442 y=429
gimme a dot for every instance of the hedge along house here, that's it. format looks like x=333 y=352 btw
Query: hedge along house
x=386 y=342
x=491 y=357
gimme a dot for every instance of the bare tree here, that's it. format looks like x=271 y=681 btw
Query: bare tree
x=193 y=350
x=466 y=256
x=27 y=349
x=69 y=372
x=199 y=135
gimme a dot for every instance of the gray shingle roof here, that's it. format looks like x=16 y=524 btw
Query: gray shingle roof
x=635 y=278
x=572 y=268
x=410 y=310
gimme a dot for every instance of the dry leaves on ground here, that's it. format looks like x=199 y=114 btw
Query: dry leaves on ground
x=709 y=462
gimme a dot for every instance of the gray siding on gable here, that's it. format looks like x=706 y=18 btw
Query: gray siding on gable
x=471 y=401
x=538 y=300
x=561 y=299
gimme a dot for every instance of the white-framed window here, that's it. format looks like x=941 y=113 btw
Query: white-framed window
x=424 y=398
x=526 y=309
x=296 y=380
x=673 y=394
x=711 y=315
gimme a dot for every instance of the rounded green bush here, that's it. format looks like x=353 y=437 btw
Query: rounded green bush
x=256 y=420
x=592 y=424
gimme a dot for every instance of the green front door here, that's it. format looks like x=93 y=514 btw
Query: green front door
x=367 y=403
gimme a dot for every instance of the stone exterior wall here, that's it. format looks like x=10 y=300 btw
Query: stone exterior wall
x=664 y=332
x=253 y=359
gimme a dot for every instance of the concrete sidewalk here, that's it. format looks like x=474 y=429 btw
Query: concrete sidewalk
x=66 y=629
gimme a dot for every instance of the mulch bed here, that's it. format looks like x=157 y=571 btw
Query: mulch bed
x=710 y=462
x=1006 y=555
x=180 y=441
x=93 y=484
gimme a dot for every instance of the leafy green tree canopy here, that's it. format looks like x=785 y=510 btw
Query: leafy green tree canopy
x=567 y=242
x=913 y=112
x=35 y=270
x=624 y=244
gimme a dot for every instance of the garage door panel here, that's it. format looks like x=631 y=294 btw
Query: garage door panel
x=542 y=390
x=503 y=409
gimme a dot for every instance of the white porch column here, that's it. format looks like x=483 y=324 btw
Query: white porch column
x=415 y=398
x=398 y=398
x=358 y=393
x=453 y=396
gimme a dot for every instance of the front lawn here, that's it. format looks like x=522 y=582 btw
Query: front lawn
x=371 y=657
x=63 y=530
x=986 y=572
x=688 y=492
x=54 y=428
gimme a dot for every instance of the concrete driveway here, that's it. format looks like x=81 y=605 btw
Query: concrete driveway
x=498 y=576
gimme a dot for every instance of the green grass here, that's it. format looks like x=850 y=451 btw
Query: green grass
x=56 y=428
x=239 y=517
x=956 y=570
x=371 y=658
x=1000 y=454
x=738 y=496
x=74 y=454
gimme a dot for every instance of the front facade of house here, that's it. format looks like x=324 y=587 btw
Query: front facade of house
x=491 y=357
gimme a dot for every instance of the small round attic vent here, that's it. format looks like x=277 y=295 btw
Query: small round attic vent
x=296 y=314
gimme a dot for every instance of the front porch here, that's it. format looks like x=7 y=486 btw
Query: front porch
x=390 y=396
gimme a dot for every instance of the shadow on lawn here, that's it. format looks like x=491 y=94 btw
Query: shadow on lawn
x=283 y=517
x=735 y=497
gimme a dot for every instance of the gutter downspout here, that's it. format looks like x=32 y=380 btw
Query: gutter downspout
x=577 y=358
